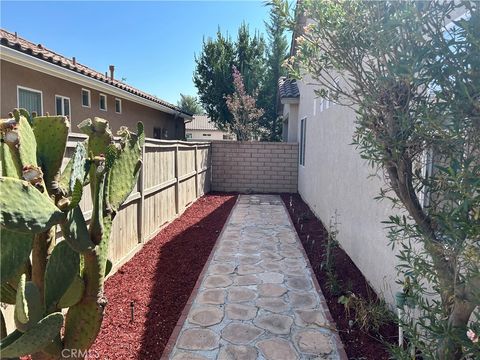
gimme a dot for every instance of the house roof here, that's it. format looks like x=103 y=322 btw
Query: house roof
x=201 y=122
x=287 y=88
x=15 y=42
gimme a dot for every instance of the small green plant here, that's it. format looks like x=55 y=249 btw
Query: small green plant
x=334 y=284
x=331 y=243
x=369 y=315
x=42 y=277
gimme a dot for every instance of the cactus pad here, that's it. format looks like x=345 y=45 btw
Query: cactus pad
x=62 y=267
x=75 y=231
x=16 y=248
x=27 y=145
x=21 y=306
x=79 y=165
x=26 y=209
x=82 y=325
x=51 y=134
x=28 y=305
x=73 y=294
x=33 y=340
x=99 y=135
x=126 y=167
x=10 y=162
x=8 y=294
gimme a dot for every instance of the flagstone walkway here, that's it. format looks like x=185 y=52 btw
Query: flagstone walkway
x=257 y=298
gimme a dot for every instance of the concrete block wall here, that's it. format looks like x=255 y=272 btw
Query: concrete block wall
x=250 y=166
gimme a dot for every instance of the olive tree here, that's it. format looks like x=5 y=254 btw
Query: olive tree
x=413 y=81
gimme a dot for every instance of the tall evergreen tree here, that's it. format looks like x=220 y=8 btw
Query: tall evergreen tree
x=213 y=72
x=277 y=51
x=189 y=104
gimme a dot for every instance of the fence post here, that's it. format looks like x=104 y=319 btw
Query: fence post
x=196 y=173
x=141 y=204
x=209 y=174
x=177 y=183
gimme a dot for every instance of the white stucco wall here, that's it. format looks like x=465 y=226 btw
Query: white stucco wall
x=335 y=177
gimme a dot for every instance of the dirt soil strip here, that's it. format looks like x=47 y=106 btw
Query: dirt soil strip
x=313 y=235
x=159 y=281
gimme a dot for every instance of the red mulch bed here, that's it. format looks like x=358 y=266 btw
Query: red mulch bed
x=358 y=344
x=159 y=280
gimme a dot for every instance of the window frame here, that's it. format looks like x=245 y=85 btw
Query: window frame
x=89 y=98
x=63 y=105
x=157 y=130
x=120 y=102
x=19 y=87
x=302 y=142
x=100 y=102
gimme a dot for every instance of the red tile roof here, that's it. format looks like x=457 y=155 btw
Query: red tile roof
x=288 y=88
x=15 y=42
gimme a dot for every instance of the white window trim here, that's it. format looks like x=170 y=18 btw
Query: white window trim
x=89 y=98
x=63 y=110
x=99 y=102
x=120 y=101
x=32 y=90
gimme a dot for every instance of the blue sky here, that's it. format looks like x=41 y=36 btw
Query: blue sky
x=151 y=43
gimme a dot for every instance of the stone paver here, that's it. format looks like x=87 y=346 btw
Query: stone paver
x=277 y=349
x=257 y=299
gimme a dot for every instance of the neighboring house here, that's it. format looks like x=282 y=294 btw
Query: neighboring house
x=43 y=81
x=333 y=178
x=289 y=97
x=202 y=128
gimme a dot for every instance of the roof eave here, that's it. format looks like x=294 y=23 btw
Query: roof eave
x=290 y=100
x=31 y=62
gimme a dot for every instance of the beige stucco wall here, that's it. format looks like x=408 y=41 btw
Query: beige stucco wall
x=200 y=135
x=290 y=114
x=336 y=178
x=13 y=75
x=251 y=166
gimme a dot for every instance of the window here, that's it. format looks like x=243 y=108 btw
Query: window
x=30 y=99
x=118 y=106
x=103 y=102
x=160 y=133
x=303 y=133
x=85 y=98
x=188 y=135
x=206 y=135
x=62 y=105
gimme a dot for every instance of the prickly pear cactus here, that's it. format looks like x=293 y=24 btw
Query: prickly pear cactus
x=39 y=275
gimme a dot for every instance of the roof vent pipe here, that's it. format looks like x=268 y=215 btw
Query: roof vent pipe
x=74 y=60
x=112 y=69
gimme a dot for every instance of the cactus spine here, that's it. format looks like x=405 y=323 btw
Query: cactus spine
x=39 y=275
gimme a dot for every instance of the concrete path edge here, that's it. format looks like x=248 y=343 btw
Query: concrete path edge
x=186 y=309
x=336 y=337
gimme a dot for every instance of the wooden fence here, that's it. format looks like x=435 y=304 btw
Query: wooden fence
x=173 y=175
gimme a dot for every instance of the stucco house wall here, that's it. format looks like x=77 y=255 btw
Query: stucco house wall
x=13 y=75
x=334 y=177
x=205 y=135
